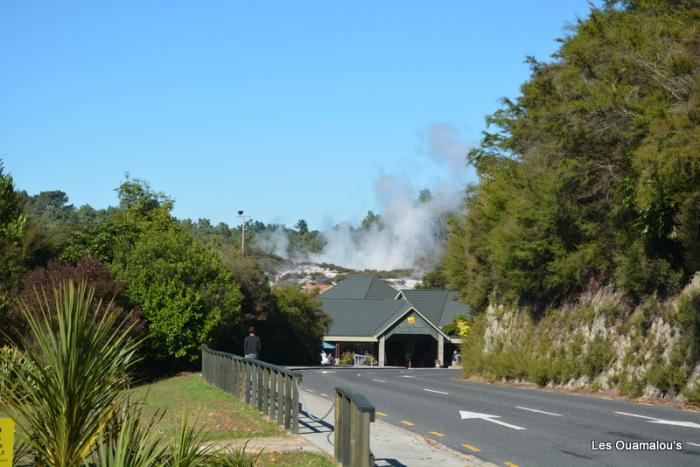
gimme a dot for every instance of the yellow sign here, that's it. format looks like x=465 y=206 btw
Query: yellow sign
x=411 y=320
x=7 y=441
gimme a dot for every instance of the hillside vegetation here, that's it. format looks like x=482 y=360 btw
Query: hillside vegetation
x=589 y=184
x=592 y=175
x=178 y=287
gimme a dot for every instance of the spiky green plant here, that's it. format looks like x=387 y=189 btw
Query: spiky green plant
x=237 y=458
x=190 y=448
x=132 y=441
x=71 y=383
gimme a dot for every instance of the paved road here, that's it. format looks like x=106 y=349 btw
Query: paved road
x=516 y=426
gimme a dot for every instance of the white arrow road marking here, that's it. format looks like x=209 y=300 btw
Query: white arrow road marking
x=635 y=415
x=539 y=411
x=436 y=392
x=661 y=421
x=379 y=380
x=489 y=418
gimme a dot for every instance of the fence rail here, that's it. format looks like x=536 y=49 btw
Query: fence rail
x=353 y=414
x=271 y=389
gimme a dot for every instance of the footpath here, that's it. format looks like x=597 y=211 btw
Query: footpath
x=391 y=445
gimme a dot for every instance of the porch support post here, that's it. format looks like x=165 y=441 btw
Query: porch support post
x=382 y=353
x=441 y=349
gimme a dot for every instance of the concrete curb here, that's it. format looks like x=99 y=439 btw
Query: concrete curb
x=390 y=444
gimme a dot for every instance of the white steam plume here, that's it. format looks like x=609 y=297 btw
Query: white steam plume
x=275 y=242
x=409 y=235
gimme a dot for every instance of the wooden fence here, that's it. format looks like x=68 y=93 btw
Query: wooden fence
x=271 y=389
x=353 y=414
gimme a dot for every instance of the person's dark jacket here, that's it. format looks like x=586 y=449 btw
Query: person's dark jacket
x=251 y=344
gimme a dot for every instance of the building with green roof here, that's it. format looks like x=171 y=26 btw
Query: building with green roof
x=398 y=327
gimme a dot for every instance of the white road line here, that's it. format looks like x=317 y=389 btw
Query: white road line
x=379 y=380
x=436 y=392
x=515 y=427
x=539 y=411
x=407 y=376
x=635 y=415
x=661 y=421
x=693 y=444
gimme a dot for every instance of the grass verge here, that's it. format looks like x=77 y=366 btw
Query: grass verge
x=223 y=416
x=294 y=459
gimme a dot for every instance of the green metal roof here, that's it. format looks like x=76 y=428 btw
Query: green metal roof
x=439 y=306
x=360 y=287
x=361 y=318
x=364 y=306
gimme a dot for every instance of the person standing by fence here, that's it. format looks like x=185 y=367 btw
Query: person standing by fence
x=251 y=345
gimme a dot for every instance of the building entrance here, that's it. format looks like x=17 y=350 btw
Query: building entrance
x=419 y=349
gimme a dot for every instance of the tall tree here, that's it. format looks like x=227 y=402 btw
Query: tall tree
x=12 y=226
x=186 y=294
x=592 y=175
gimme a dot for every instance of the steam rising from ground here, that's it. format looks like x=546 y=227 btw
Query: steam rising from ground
x=411 y=233
x=275 y=242
x=407 y=237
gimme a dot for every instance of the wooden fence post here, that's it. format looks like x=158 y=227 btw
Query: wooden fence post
x=287 y=401
x=270 y=389
x=280 y=398
x=265 y=391
x=295 y=405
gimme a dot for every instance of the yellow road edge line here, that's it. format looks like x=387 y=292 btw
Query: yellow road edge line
x=381 y=414
x=471 y=448
x=510 y=464
x=436 y=433
x=407 y=423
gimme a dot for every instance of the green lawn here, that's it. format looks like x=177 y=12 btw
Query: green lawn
x=294 y=459
x=223 y=416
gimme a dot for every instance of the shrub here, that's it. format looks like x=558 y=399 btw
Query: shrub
x=346 y=358
x=106 y=289
x=597 y=357
x=72 y=381
x=294 y=329
x=187 y=296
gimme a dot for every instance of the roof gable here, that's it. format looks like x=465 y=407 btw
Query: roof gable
x=439 y=306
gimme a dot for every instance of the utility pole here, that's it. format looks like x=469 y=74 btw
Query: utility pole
x=244 y=220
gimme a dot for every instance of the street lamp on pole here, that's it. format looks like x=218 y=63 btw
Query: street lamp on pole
x=244 y=220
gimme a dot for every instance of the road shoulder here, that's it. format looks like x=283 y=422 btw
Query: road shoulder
x=390 y=444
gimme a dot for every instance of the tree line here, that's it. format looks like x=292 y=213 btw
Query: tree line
x=179 y=288
x=591 y=176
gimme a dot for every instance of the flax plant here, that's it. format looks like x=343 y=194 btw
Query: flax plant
x=71 y=383
x=190 y=448
x=132 y=441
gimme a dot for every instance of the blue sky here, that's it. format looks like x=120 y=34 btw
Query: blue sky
x=283 y=109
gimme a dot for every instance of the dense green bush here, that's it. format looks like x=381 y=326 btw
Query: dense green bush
x=12 y=223
x=294 y=330
x=186 y=294
x=592 y=175
x=107 y=288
